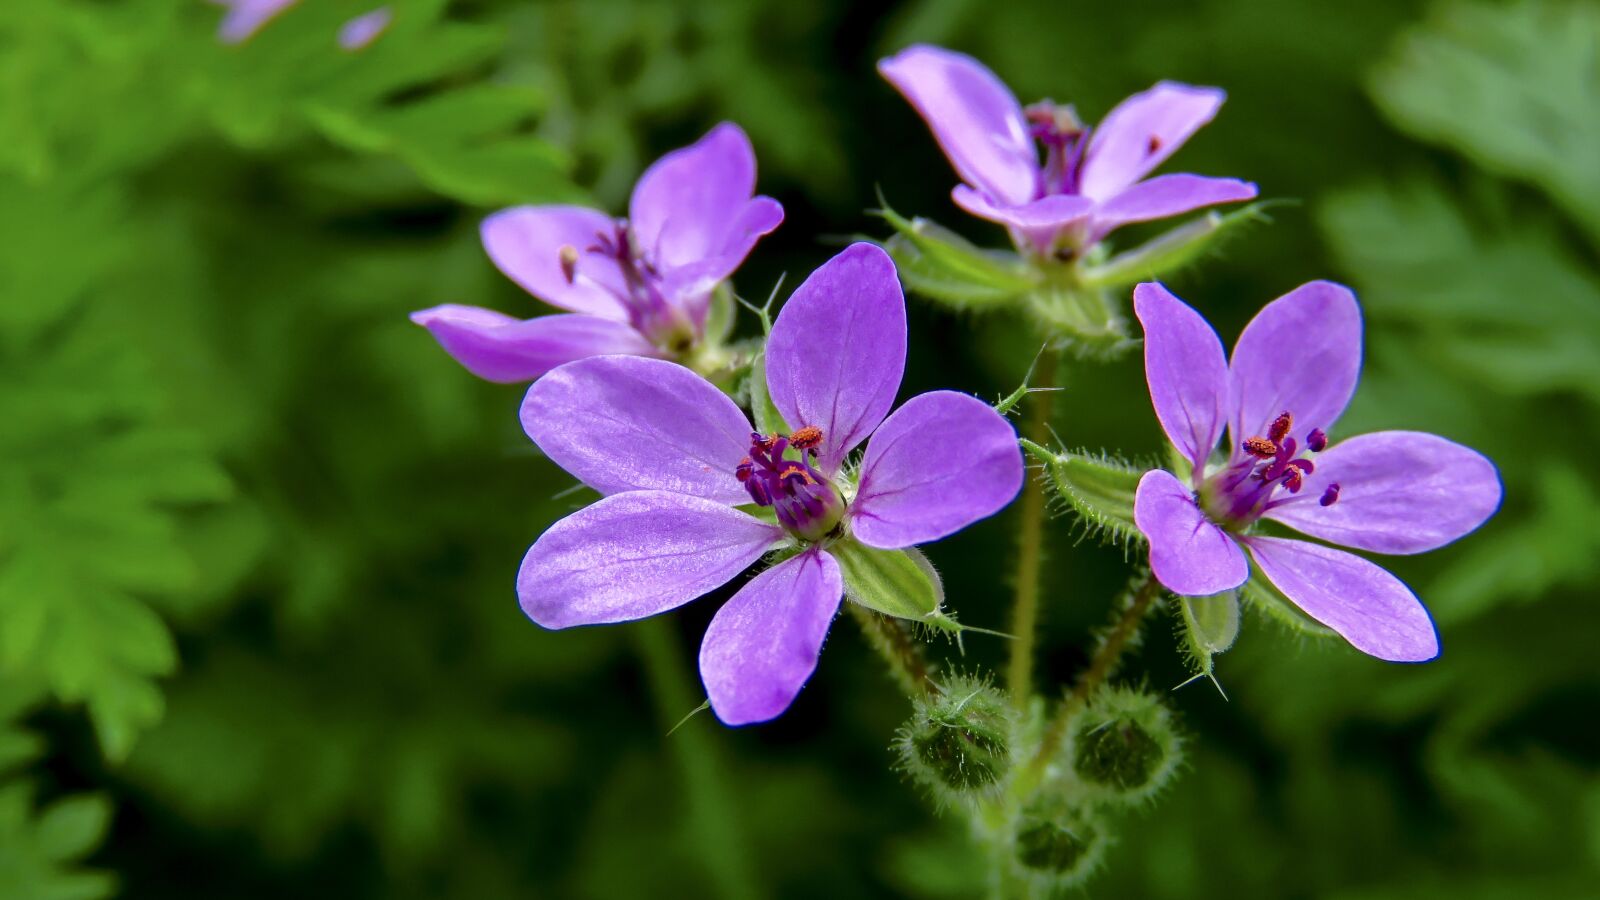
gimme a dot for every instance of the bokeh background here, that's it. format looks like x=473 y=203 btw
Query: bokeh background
x=258 y=534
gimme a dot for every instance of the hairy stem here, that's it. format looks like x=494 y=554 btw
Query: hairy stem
x=1100 y=668
x=1030 y=539
x=711 y=811
x=908 y=665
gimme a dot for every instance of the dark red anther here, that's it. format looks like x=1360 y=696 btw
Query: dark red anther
x=1293 y=480
x=743 y=470
x=1331 y=495
x=1260 y=448
x=1280 y=426
x=1317 y=440
x=1153 y=146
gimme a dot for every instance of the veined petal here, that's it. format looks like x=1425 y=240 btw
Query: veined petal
x=1041 y=219
x=764 y=642
x=838 y=350
x=1188 y=554
x=1399 y=492
x=941 y=462
x=1301 y=354
x=975 y=118
x=525 y=243
x=634 y=555
x=497 y=347
x=1364 y=602
x=1142 y=132
x=1167 y=195
x=695 y=204
x=1188 y=375
x=690 y=284
x=623 y=423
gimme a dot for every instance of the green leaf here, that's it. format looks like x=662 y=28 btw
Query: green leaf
x=941 y=265
x=1099 y=490
x=1173 y=250
x=1513 y=86
x=899 y=583
x=39 y=852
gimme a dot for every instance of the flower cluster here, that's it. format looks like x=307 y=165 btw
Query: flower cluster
x=832 y=489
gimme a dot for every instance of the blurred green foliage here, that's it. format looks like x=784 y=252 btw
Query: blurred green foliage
x=258 y=535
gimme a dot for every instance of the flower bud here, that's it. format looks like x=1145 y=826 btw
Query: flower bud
x=1057 y=850
x=958 y=741
x=1124 y=747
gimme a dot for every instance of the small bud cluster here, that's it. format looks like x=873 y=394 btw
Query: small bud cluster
x=958 y=741
x=1124 y=747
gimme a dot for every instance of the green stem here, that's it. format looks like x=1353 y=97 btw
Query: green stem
x=1030 y=540
x=908 y=665
x=710 y=809
x=1100 y=667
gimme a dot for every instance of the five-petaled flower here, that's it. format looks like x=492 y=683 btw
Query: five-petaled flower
x=675 y=458
x=1293 y=371
x=639 y=286
x=1089 y=182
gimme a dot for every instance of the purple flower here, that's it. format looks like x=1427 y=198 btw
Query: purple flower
x=361 y=31
x=245 y=17
x=1293 y=371
x=676 y=459
x=639 y=286
x=1089 y=183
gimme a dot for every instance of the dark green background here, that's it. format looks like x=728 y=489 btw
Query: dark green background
x=258 y=535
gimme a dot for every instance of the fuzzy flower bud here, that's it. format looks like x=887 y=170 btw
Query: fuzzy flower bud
x=1057 y=850
x=958 y=741
x=1124 y=746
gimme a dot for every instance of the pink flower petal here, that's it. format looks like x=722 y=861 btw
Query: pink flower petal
x=1363 y=602
x=975 y=118
x=1301 y=354
x=497 y=347
x=636 y=554
x=1399 y=492
x=1186 y=370
x=1189 y=555
x=838 y=350
x=525 y=243
x=763 y=644
x=624 y=423
x=1167 y=195
x=941 y=462
x=1142 y=132
x=1041 y=221
x=694 y=205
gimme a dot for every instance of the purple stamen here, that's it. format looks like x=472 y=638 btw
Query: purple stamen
x=807 y=504
x=1331 y=495
x=1240 y=493
x=1316 y=441
x=642 y=296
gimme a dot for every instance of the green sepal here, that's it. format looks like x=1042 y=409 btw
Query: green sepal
x=1099 y=489
x=1260 y=594
x=1210 y=625
x=767 y=418
x=1171 y=251
x=898 y=583
x=720 y=315
x=941 y=265
x=1084 y=319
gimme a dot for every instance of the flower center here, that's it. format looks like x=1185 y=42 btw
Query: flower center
x=1265 y=471
x=1064 y=139
x=808 y=505
x=641 y=294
